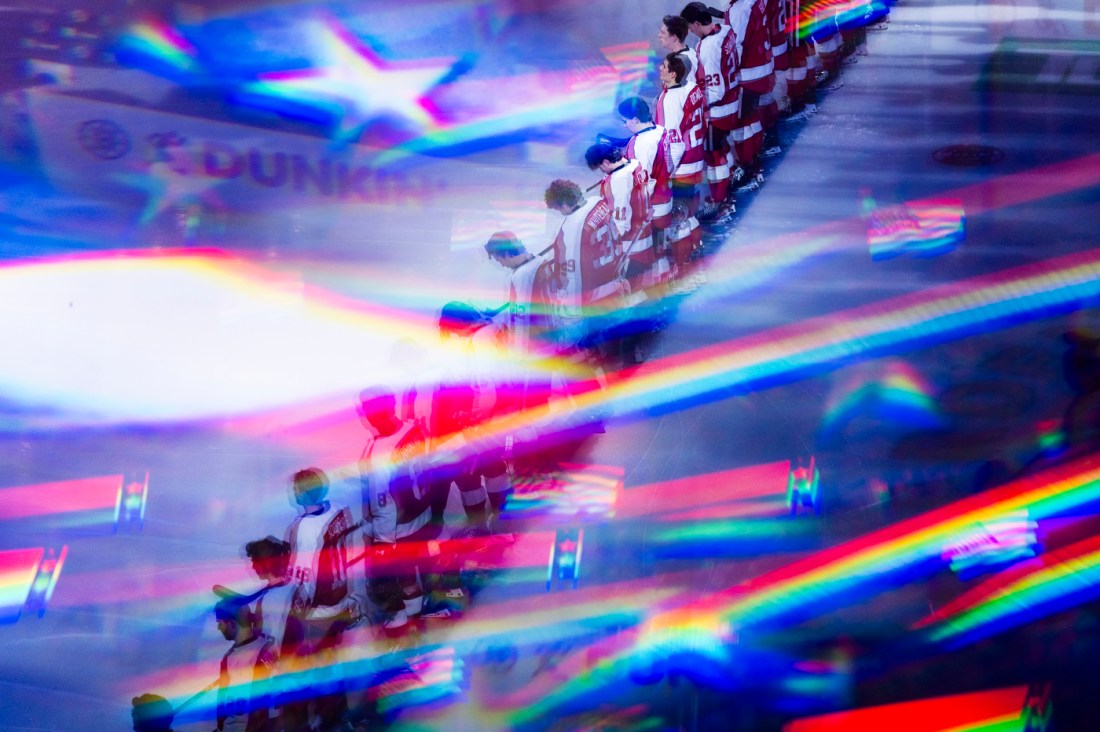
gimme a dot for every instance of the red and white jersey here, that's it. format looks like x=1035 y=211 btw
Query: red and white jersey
x=718 y=58
x=626 y=190
x=694 y=73
x=587 y=251
x=393 y=504
x=750 y=23
x=252 y=661
x=779 y=13
x=679 y=109
x=319 y=559
x=272 y=609
x=652 y=148
x=530 y=301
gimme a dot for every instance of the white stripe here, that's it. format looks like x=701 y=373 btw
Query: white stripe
x=686 y=169
x=780 y=49
x=796 y=74
x=756 y=72
x=474 y=497
x=721 y=111
x=718 y=172
x=662 y=209
x=743 y=133
x=416 y=524
x=413 y=605
x=605 y=290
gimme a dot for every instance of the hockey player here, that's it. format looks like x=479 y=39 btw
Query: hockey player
x=679 y=109
x=322 y=607
x=587 y=250
x=151 y=713
x=270 y=559
x=672 y=36
x=465 y=399
x=717 y=52
x=779 y=16
x=651 y=146
x=526 y=318
x=396 y=507
x=802 y=67
x=243 y=699
x=625 y=187
x=748 y=19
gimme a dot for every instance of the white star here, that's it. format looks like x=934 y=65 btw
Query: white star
x=353 y=83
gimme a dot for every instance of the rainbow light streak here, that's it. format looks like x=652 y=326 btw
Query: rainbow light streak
x=550 y=98
x=578 y=494
x=49 y=571
x=180 y=591
x=158 y=47
x=747 y=492
x=732 y=537
x=528 y=622
x=439 y=675
x=632 y=62
x=67 y=503
x=823 y=18
x=892 y=391
x=18 y=570
x=1025 y=592
x=847 y=572
x=861 y=563
x=1003 y=710
x=988 y=545
x=926 y=229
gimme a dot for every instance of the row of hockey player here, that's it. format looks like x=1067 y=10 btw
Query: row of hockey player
x=392 y=560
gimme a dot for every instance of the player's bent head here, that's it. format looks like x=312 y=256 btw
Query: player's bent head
x=310 y=486
x=268 y=553
x=377 y=399
x=697 y=12
x=232 y=614
x=563 y=194
x=635 y=108
x=152 y=713
x=676 y=67
x=504 y=244
x=459 y=318
x=676 y=26
x=601 y=152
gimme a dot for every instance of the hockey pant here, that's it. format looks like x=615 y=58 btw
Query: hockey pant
x=828 y=50
x=798 y=75
x=684 y=235
x=716 y=151
x=400 y=584
x=482 y=483
x=312 y=645
x=748 y=135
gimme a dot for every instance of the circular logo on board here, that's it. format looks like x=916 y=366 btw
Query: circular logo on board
x=103 y=139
